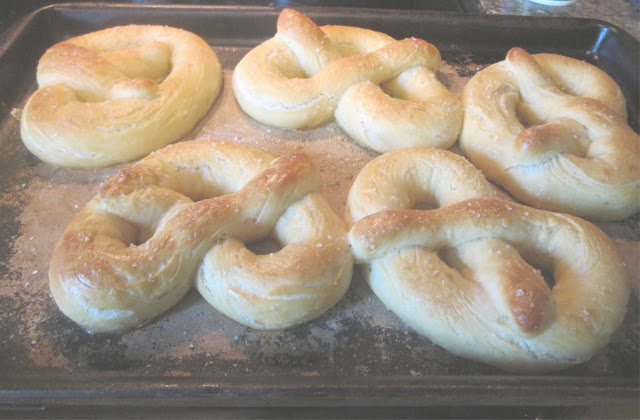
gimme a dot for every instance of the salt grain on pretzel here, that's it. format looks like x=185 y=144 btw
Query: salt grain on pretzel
x=307 y=74
x=183 y=214
x=470 y=275
x=117 y=94
x=552 y=130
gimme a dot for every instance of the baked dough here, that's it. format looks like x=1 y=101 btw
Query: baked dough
x=186 y=211
x=115 y=95
x=471 y=274
x=552 y=131
x=306 y=74
x=415 y=177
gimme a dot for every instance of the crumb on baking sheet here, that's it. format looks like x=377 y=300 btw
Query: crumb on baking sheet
x=359 y=336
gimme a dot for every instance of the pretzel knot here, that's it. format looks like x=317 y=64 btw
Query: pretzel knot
x=472 y=275
x=552 y=130
x=307 y=74
x=182 y=215
x=117 y=94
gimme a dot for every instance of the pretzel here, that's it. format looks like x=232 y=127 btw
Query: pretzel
x=181 y=216
x=414 y=177
x=468 y=275
x=115 y=95
x=307 y=74
x=552 y=131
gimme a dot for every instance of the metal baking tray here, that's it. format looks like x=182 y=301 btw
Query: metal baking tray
x=356 y=355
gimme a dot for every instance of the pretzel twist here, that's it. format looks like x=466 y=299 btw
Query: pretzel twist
x=307 y=74
x=115 y=95
x=469 y=274
x=574 y=152
x=187 y=211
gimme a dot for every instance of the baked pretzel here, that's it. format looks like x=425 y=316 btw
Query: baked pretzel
x=306 y=74
x=469 y=274
x=115 y=95
x=185 y=212
x=552 y=130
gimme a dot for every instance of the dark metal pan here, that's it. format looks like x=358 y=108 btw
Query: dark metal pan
x=358 y=354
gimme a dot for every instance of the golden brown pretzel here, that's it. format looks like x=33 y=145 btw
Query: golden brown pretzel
x=578 y=155
x=135 y=248
x=469 y=275
x=306 y=74
x=117 y=94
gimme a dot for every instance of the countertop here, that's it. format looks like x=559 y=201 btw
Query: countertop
x=622 y=13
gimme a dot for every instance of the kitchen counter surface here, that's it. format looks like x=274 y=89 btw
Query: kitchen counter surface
x=622 y=13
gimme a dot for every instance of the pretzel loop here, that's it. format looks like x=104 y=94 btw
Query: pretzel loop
x=472 y=273
x=306 y=75
x=115 y=95
x=262 y=290
x=133 y=251
x=552 y=131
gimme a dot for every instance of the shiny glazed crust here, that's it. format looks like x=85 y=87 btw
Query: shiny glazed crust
x=306 y=75
x=115 y=95
x=552 y=131
x=185 y=212
x=472 y=274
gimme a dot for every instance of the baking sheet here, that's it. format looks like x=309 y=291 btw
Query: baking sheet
x=356 y=354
